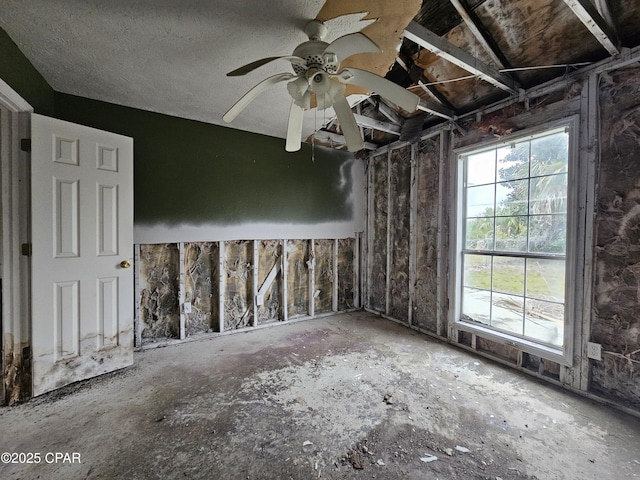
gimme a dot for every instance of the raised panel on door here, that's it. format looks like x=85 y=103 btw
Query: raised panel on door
x=82 y=229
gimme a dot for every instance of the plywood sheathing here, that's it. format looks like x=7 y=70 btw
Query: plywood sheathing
x=269 y=254
x=238 y=295
x=391 y=20
x=425 y=309
x=297 y=252
x=201 y=287
x=400 y=194
x=159 y=277
x=378 y=287
x=323 y=275
x=615 y=321
x=346 y=281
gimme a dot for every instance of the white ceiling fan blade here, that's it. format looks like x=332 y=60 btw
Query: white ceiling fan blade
x=383 y=87
x=249 y=67
x=294 y=129
x=351 y=44
x=348 y=125
x=253 y=93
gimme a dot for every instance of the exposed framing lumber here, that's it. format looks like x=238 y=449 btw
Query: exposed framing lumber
x=256 y=263
x=443 y=48
x=222 y=284
x=334 y=284
x=368 y=122
x=435 y=109
x=386 y=110
x=356 y=270
x=413 y=234
x=337 y=139
x=387 y=299
x=181 y=293
x=311 y=264
x=595 y=23
x=482 y=36
x=138 y=293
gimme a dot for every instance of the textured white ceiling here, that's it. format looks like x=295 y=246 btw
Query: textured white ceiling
x=169 y=56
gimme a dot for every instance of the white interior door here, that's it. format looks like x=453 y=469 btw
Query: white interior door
x=82 y=248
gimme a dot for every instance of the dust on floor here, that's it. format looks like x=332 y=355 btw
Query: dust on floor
x=341 y=397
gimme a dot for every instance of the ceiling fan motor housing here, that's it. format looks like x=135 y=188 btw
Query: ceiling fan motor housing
x=313 y=53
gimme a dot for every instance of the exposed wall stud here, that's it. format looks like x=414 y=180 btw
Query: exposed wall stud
x=444 y=204
x=369 y=234
x=311 y=263
x=222 y=275
x=285 y=267
x=334 y=294
x=389 y=250
x=181 y=292
x=356 y=270
x=413 y=213
x=137 y=292
x=256 y=262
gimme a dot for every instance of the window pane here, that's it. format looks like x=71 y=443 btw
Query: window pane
x=547 y=233
x=481 y=168
x=479 y=234
x=550 y=154
x=548 y=194
x=512 y=197
x=508 y=275
x=477 y=271
x=544 y=321
x=476 y=306
x=513 y=163
x=507 y=312
x=545 y=279
x=480 y=201
x=511 y=234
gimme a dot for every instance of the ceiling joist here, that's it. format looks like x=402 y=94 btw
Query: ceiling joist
x=368 y=122
x=441 y=47
x=475 y=26
x=386 y=110
x=435 y=109
x=596 y=24
x=331 y=138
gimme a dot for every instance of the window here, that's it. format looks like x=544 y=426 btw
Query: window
x=512 y=238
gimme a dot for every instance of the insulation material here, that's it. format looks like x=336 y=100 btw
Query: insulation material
x=201 y=287
x=378 y=287
x=269 y=257
x=323 y=276
x=615 y=322
x=297 y=277
x=346 y=280
x=425 y=310
x=499 y=350
x=238 y=295
x=160 y=280
x=399 y=233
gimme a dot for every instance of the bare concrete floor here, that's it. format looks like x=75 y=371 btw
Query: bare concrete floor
x=307 y=400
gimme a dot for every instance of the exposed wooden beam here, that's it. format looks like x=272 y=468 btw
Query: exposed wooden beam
x=386 y=110
x=482 y=36
x=369 y=122
x=336 y=138
x=445 y=49
x=435 y=109
x=589 y=15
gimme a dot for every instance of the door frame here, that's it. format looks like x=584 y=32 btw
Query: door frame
x=14 y=231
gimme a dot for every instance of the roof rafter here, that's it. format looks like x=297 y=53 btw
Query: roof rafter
x=368 y=122
x=482 y=36
x=445 y=49
x=597 y=25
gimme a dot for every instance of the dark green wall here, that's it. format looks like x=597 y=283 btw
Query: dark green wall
x=193 y=172
x=20 y=74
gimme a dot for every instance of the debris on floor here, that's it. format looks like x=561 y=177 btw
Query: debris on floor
x=429 y=458
x=388 y=399
x=355 y=460
x=462 y=449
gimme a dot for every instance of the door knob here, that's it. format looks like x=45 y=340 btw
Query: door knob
x=125 y=264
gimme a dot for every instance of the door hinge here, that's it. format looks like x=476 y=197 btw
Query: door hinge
x=25 y=144
x=25 y=249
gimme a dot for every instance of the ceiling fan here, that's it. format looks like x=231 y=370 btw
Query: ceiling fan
x=316 y=72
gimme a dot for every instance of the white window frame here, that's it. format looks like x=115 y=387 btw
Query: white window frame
x=564 y=354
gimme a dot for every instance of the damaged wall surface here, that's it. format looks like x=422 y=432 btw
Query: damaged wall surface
x=186 y=290
x=408 y=261
x=615 y=321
